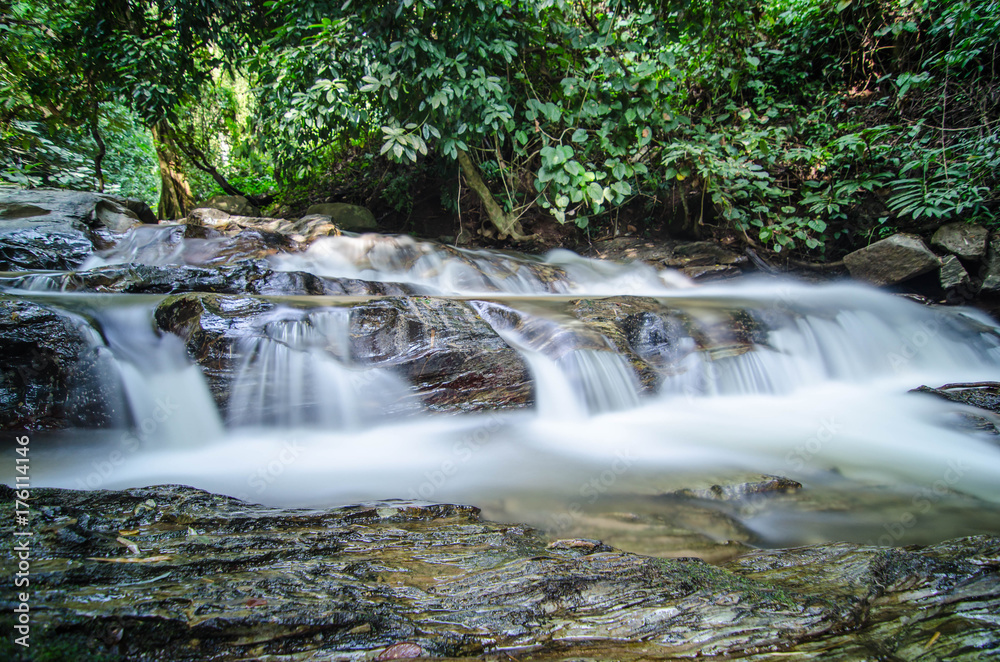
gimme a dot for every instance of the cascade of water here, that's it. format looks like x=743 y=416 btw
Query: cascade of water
x=771 y=377
x=167 y=394
x=46 y=281
x=154 y=245
x=437 y=269
x=298 y=372
x=160 y=245
x=844 y=334
x=575 y=374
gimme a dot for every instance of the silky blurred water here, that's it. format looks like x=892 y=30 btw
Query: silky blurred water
x=822 y=398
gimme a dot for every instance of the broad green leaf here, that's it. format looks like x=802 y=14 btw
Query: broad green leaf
x=595 y=192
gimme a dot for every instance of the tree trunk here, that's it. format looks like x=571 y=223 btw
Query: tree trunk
x=507 y=224
x=99 y=156
x=175 y=194
x=95 y=132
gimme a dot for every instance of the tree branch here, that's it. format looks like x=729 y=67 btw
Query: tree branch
x=200 y=161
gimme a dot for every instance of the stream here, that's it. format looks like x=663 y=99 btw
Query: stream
x=721 y=384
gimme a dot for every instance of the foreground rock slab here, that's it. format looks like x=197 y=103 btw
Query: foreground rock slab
x=174 y=573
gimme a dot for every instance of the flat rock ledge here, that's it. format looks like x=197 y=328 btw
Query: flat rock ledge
x=175 y=573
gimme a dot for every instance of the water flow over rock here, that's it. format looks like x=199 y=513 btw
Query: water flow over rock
x=576 y=370
x=807 y=382
x=300 y=371
x=167 y=394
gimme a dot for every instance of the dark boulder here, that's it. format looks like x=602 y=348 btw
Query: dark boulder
x=964 y=240
x=54 y=371
x=56 y=229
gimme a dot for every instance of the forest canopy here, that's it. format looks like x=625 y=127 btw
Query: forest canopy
x=805 y=127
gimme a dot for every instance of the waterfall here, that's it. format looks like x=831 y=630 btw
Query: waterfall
x=846 y=334
x=575 y=373
x=641 y=382
x=167 y=395
x=298 y=372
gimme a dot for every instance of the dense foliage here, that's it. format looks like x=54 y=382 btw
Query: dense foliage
x=809 y=126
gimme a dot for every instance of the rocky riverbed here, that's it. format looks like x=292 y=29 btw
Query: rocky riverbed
x=410 y=368
x=174 y=573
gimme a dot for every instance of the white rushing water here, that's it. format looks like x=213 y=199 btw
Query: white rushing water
x=300 y=373
x=822 y=397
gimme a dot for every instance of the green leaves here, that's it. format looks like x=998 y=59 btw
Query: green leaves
x=936 y=196
x=403 y=142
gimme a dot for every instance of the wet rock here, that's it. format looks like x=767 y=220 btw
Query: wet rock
x=882 y=588
x=54 y=373
x=345 y=216
x=211 y=326
x=448 y=354
x=981 y=395
x=241 y=277
x=55 y=229
x=892 y=260
x=963 y=240
x=311 y=226
x=302 y=231
x=203 y=576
